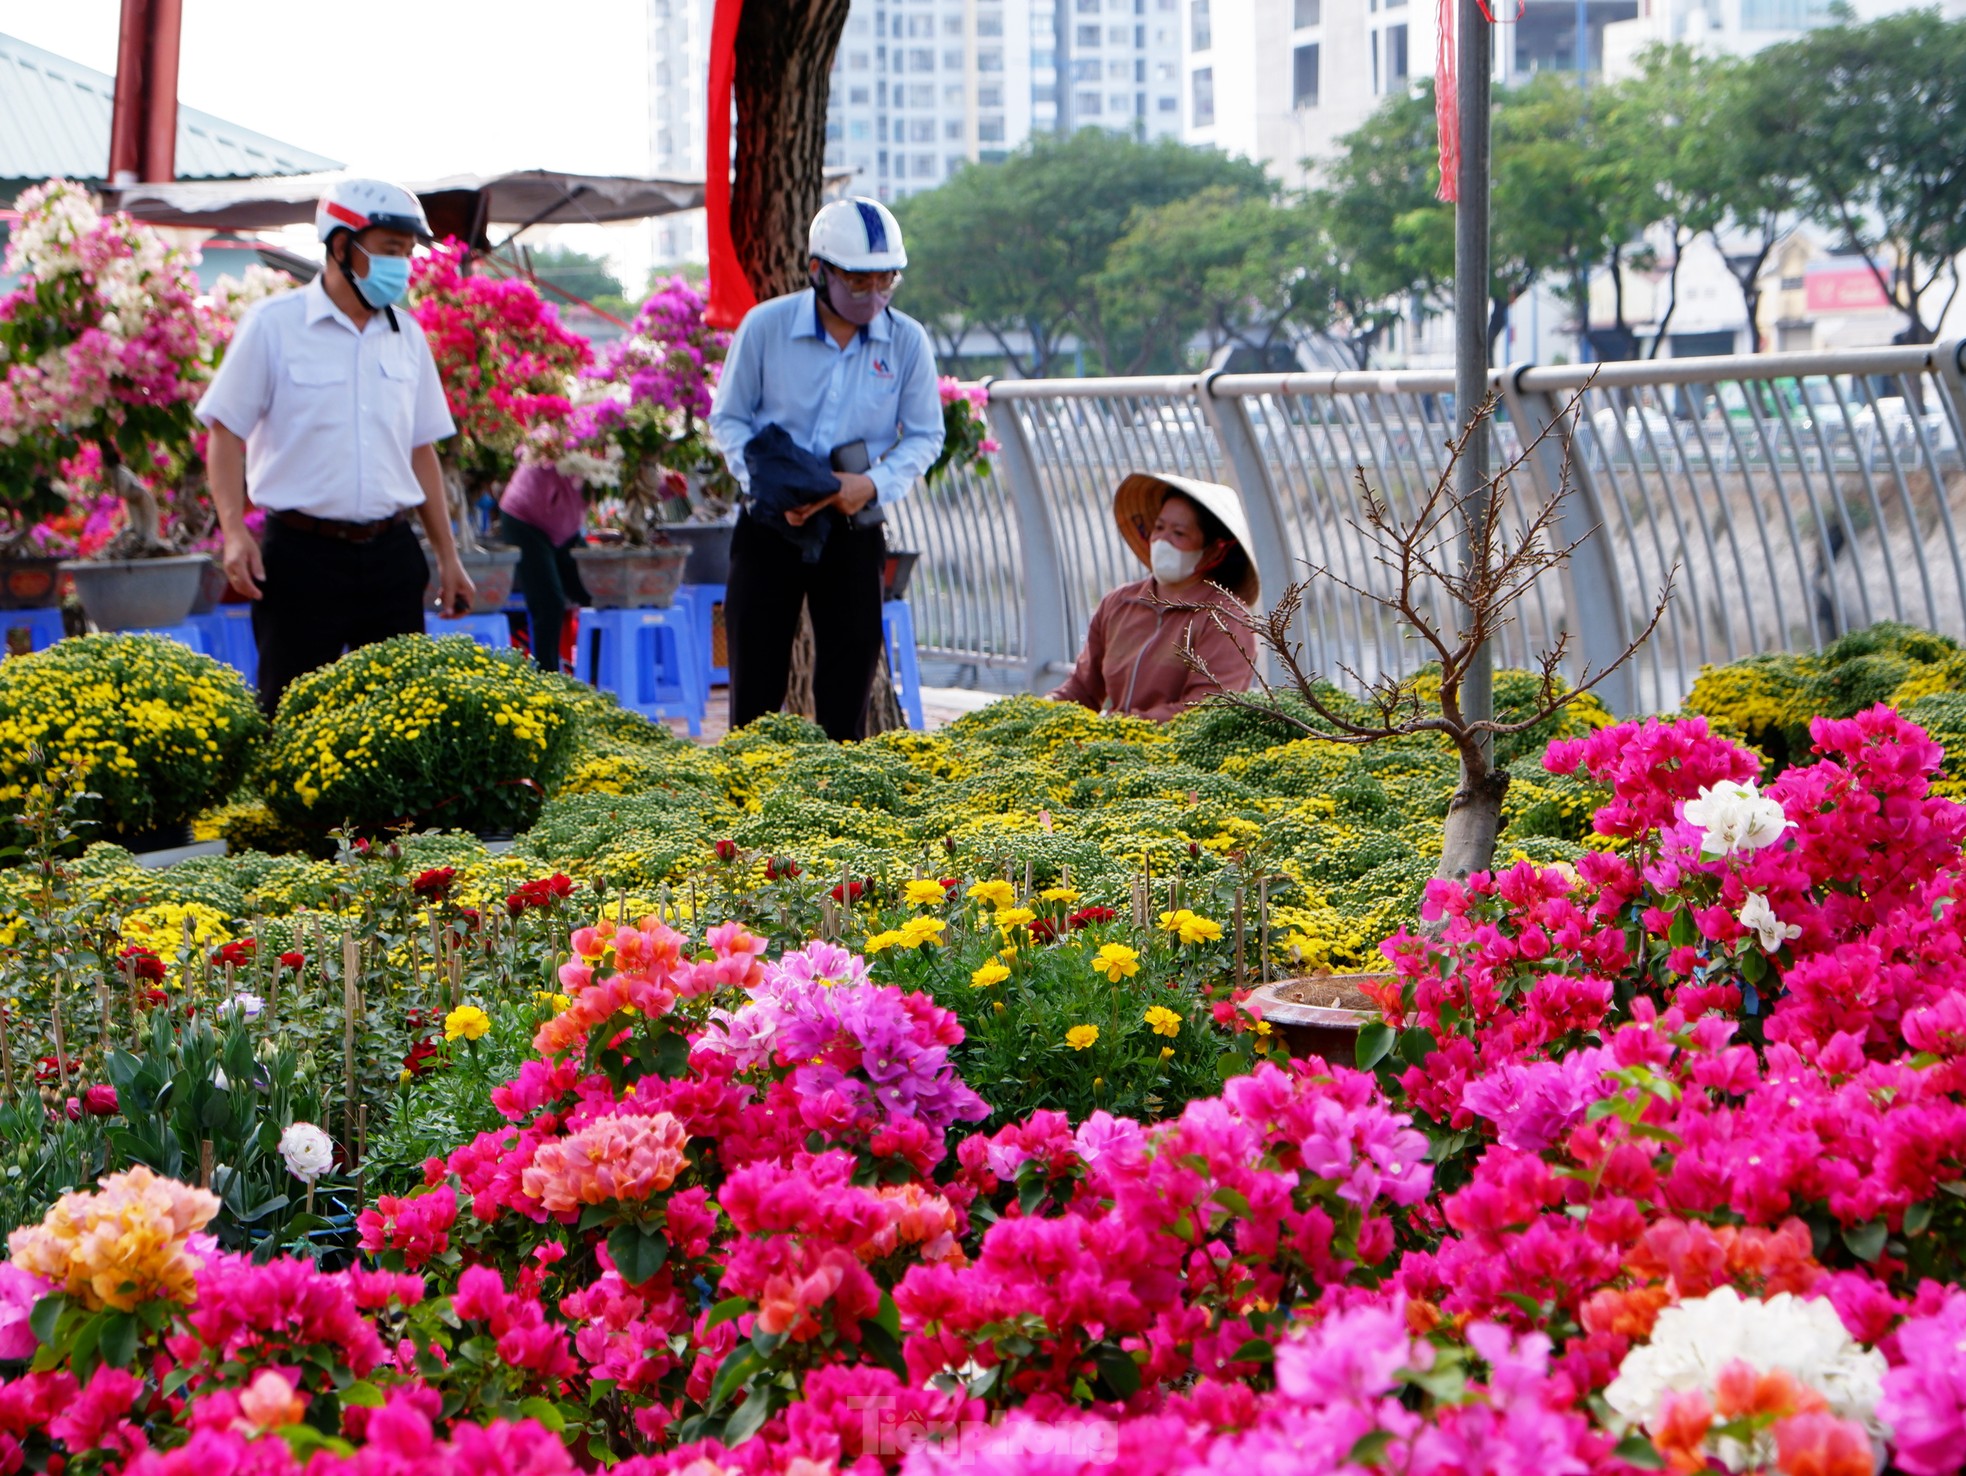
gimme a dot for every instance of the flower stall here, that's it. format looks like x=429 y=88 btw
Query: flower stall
x=104 y=349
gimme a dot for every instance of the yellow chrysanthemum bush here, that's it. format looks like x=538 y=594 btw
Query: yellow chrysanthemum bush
x=155 y=731
x=1767 y=701
x=439 y=733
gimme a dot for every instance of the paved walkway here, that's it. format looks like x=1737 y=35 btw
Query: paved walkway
x=940 y=705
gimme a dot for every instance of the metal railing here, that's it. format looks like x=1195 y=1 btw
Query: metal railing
x=1793 y=496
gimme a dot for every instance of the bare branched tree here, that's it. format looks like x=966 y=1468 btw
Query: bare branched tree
x=1452 y=554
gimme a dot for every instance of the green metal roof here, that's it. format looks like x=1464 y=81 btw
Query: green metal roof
x=54 y=119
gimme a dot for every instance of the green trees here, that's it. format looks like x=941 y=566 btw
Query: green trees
x=1019 y=247
x=1152 y=256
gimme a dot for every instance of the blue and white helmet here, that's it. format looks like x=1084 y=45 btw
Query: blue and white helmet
x=857 y=235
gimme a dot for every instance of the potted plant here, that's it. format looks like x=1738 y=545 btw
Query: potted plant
x=1504 y=555
x=105 y=348
x=506 y=361
x=649 y=401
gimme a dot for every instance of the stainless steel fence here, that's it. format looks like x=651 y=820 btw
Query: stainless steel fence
x=1794 y=496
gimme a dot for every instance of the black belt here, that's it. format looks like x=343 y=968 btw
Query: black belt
x=347 y=532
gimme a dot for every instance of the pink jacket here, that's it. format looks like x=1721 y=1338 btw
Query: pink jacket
x=1132 y=662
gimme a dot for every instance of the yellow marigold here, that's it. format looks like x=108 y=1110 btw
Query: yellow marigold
x=1167 y=1053
x=466 y=1022
x=125 y=1244
x=1079 y=1037
x=880 y=942
x=1116 y=961
x=1164 y=1021
x=553 y=1002
x=1192 y=927
x=919 y=932
x=925 y=892
x=994 y=894
x=1015 y=917
x=991 y=973
x=1060 y=894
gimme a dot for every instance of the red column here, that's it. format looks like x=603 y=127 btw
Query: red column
x=730 y=291
x=143 y=123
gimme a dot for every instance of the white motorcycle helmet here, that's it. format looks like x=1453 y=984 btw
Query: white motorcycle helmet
x=358 y=204
x=857 y=235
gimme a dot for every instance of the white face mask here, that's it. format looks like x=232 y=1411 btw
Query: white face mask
x=1172 y=565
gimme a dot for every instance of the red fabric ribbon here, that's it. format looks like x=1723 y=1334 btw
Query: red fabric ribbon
x=1447 y=103
x=1447 y=100
x=730 y=291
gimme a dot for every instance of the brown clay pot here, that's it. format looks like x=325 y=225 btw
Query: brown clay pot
x=1317 y=1016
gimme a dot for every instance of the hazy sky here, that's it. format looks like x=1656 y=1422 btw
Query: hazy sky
x=408 y=89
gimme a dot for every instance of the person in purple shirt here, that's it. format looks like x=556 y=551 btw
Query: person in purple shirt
x=540 y=515
x=851 y=381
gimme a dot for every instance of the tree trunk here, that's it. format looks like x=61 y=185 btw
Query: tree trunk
x=784 y=59
x=1474 y=823
x=784 y=56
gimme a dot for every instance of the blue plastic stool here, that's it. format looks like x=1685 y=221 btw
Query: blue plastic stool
x=492 y=630
x=649 y=659
x=187 y=634
x=703 y=600
x=898 y=630
x=227 y=631
x=43 y=626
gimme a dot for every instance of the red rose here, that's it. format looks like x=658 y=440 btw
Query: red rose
x=141 y=963
x=1085 y=917
x=847 y=891
x=294 y=961
x=434 y=885
x=726 y=851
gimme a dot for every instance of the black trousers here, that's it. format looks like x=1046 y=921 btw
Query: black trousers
x=768 y=583
x=322 y=596
x=550 y=581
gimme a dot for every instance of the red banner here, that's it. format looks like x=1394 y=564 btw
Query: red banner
x=730 y=291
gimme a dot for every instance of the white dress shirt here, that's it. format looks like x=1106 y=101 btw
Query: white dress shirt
x=329 y=412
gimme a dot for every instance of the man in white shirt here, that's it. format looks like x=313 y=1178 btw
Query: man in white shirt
x=328 y=402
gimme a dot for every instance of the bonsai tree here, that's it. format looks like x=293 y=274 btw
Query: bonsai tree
x=103 y=347
x=652 y=393
x=1454 y=575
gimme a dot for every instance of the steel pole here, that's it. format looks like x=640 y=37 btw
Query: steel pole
x=1474 y=64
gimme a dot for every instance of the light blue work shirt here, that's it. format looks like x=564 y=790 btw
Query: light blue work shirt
x=784 y=369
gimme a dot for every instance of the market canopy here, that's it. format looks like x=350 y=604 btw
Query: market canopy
x=460 y=205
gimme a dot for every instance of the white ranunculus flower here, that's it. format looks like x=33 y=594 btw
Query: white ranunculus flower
x=1735 y=817
x=1693 y=1341
x=308 y=1151
x=1759 y=918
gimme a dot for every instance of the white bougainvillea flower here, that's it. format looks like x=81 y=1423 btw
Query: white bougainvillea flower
x=1733 y=816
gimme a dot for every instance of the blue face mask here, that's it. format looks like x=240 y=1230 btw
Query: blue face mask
x=387 y=281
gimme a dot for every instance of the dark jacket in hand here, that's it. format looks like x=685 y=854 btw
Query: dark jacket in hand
x=784 y=476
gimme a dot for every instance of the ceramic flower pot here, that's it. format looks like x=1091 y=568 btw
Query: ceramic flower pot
x=1317 y=1016
x=492 y=570
x=709 y=549
x=137 y=594
x=212 y=587
x=632 y=578
x=29 y=583
x=900 y=569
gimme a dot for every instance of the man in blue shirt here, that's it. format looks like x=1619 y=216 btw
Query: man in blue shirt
x=852 y=381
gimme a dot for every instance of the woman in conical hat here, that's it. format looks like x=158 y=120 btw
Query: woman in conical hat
x=1194 y=541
